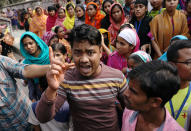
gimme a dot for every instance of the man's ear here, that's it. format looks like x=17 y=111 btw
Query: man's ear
x=156 y=102
x=172 y=63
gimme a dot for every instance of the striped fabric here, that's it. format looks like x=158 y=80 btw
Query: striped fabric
x=14 y=105
x=92 y=100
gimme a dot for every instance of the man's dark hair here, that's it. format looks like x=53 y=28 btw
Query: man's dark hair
x=85 y=32
x=172 y=52
x=157 y=79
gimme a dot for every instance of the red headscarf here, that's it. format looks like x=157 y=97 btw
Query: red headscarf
x=97 y=18
x=113 y=28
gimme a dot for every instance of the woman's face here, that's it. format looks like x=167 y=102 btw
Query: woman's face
x=59 y=56
x=116 y=14
x=107 y=7
x=171 y=5
x=140 y=10
x=61 y=32
x=91 y=11
x=71 y=11
x=61 y=13
x=31 y=46
x=39 y=11
x=79 y=12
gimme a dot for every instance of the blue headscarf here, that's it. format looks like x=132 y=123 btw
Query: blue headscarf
x=43 y=57
x=179 y=37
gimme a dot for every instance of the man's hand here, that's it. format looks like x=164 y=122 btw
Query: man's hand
x=146 y=47
x=55 y=75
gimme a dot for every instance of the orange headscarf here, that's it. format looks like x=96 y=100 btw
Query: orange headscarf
x=96 y=22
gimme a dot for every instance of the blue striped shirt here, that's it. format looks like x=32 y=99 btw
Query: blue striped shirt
x=14 y=104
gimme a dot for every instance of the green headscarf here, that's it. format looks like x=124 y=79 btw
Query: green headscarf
x=43 y=58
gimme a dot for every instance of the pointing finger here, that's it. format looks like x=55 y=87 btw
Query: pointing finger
x=51 y=55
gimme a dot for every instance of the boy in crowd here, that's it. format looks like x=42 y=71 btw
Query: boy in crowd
x=151 y=85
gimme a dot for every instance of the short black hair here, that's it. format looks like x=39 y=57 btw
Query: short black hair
x=157 y=79
x=50 y=8
x=68 y=6
x=56 y=29
x=59 y=47
x=110 y=1
x=137 y=59
x=172 y=52
x=85 y=32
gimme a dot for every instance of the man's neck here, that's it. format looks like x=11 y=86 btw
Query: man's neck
x=155 y=117
x=184 y=84
x=157 y=8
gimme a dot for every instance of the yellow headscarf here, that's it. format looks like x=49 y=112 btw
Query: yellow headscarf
x=69 y=22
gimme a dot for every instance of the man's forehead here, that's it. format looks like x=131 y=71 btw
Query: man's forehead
x=184 y=53
x=84 y=45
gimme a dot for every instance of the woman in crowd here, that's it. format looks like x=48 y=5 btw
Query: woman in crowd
x=70 y=17
x=61 y=17
x=166 y=25
x=35 y=51
x=38 y=22
x=93 y=16
x=60 y=33
x=117 y=18
x=80 y=15
x=141 y=22
x=105 y=22
x=52 y=16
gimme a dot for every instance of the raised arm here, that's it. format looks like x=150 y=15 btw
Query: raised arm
x=50 y=103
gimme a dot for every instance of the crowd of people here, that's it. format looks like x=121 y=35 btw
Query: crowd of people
x=98 y=65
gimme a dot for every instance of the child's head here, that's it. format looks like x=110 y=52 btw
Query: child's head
x=61 y=12
x=117 y=13
x=70 y=9
x=92 y=9
x=177 y=37
x=59 y=31
x=106 y=6
x=59 y=51
x=51 y=10
x=156 y=4
x=126 y=42
x=106 y=36
x=85 y=41
x=80 y=11
x=140 y=8
x=138 y=58
x=53 y=39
